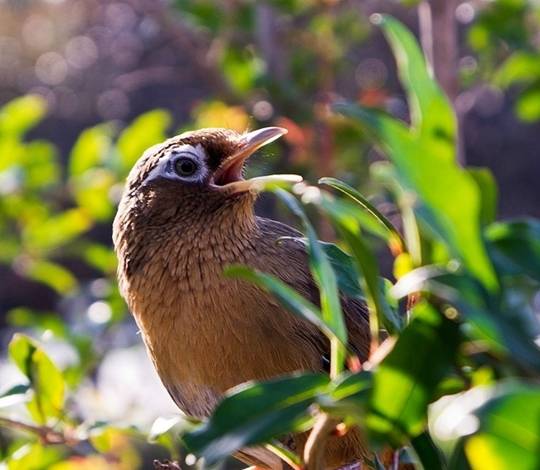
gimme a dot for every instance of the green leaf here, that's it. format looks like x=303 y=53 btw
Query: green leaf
x=521 y=67
x=347 y=397
x=21 y=114
x=394 y=235
x=406 y=380
x=41 y=168
x=516 y=246
x=286 y=295
x=55 y=276
x=428 y=453
x=44 y=377
x=365 y=261
x=92 y=192
x=14 y=396
x=147 y=130
x=424 y=156
x=499 y=426
x=488 y=192
x=504 y=333
x=346 y=273
x=322 y=271
x=528 y=104
x=57 y=230
x=91 y=149
x=257 y=412
x=432 y=116
x=34 y=456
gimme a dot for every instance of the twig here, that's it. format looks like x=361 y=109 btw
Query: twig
x=47 y=435
x=316 y=442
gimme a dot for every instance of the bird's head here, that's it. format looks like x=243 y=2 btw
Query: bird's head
x=199 y=170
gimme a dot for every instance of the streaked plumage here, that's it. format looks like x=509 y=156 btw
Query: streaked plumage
x=206 y=333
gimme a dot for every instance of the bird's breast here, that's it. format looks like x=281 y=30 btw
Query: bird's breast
x=206 y=333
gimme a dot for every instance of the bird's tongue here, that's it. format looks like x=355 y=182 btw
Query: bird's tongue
x=259 y=183
x=229 y=175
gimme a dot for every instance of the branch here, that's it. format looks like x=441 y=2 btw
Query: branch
x=46 y=435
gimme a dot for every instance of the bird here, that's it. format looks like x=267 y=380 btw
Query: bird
x=186 y=213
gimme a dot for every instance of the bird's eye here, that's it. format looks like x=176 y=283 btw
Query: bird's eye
x=185 y=167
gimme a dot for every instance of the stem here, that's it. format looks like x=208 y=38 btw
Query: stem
x=316 y=442
x=46 y=434
x=337 y=357
x=277 y=448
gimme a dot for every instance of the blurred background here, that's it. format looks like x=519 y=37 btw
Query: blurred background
x=87 y=85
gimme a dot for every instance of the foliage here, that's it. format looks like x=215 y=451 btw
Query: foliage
x=457 y=321
x=504 y=32
x=453 y=374
x=48 y=221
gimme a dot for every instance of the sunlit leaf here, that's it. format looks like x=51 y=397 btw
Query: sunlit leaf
x=57 y=230
x=147 y=130
x=44 y=377
x=41 y=168
x=424 y=156
x=506 y=334
x=322 y=271
x=255 y=413
x=343 y=265
x=432 y=115
x=90 y=150
x=370 y=281
x=528 y=105
x=92 y=191
x=325 y=277
x=394 y=235
x=499 y=425
x=405 y=382
x=21 y=114
x=52 y=274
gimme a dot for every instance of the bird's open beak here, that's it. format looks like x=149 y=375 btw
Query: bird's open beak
x=229 y=175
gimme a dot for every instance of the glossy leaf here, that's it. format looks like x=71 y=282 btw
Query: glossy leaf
x=424 y=156
x=322 y=271
x=395 y=236
x=365 y=261
x=343 y=265
x=255 y=413
x=516 y=246
x=405 y=382
x=505 y=334
x=499 y=426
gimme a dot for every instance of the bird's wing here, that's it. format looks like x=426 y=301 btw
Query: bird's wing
x=286 y=246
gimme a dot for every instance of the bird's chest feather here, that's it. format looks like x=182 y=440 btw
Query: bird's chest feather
x=206 y=332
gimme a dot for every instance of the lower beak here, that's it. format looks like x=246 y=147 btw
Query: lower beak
x=229 y=174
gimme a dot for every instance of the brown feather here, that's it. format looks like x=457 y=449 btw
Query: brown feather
x=206 y=333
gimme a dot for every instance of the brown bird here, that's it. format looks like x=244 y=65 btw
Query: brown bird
x=186 y=213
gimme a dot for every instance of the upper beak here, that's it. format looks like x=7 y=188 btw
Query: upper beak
x=229 y=175
x=230 y=170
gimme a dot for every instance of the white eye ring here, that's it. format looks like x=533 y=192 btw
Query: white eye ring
x=167 y=165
